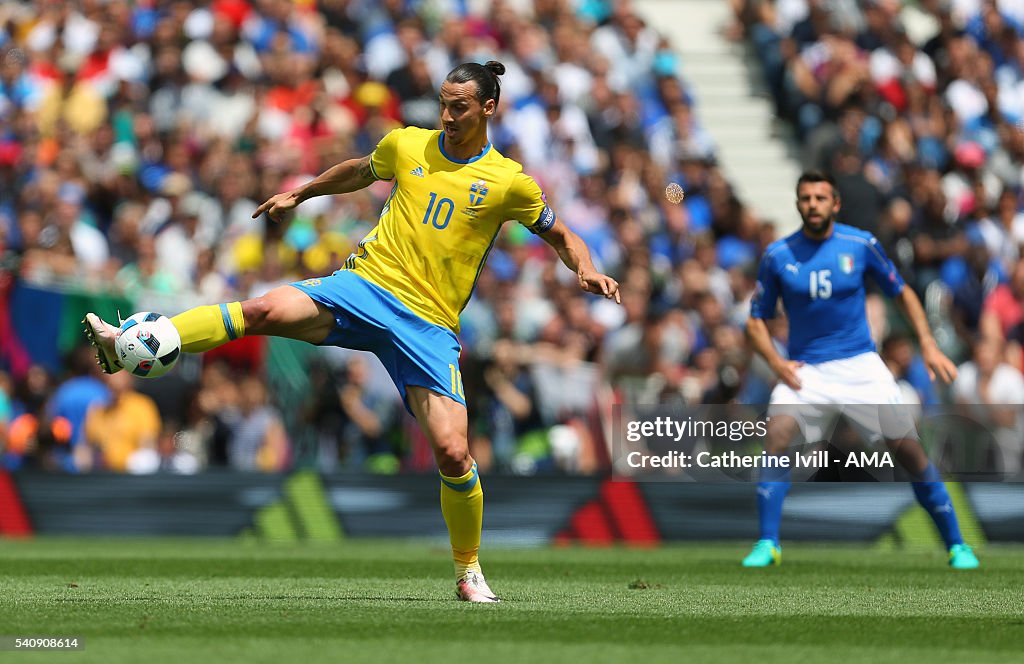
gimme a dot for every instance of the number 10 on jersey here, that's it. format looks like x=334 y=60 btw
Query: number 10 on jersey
x=821 y=284
x=445 y=203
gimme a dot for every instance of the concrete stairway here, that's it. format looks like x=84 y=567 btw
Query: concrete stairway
x=756 y=154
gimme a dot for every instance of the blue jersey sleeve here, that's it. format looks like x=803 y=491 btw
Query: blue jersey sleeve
x=766 y=292
x=882 y=269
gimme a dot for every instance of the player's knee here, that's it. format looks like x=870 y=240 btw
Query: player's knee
x=258 y=313
x=271 y=313
x=452 y=455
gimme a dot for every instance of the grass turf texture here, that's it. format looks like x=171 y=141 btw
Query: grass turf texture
x=221 y=601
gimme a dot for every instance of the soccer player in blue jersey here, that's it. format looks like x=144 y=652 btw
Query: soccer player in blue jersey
x=400 y=294
x=819 y=273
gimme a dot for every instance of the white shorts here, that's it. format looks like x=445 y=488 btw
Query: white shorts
x=860 y=387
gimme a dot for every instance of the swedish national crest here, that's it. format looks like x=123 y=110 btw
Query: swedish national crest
x=477 y=192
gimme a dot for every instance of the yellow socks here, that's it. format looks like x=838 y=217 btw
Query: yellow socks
x=462 y=504
x=207 y=327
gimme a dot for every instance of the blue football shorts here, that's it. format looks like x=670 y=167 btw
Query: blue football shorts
x=414 y=351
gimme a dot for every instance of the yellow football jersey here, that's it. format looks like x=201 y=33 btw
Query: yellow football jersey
x=440 y=221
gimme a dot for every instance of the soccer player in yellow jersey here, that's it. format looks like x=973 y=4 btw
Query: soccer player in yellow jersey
x=400 y=294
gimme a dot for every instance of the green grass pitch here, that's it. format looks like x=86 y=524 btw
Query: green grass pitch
x=196 y=601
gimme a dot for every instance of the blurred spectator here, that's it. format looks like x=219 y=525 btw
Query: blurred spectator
x=417 y=93
x=121 y=434
x=936 y=237
x=992 y=393
x=981 y=277
x=366 y=420
x=87 y=243
x=323 y=414
x=34 y=441
x=84 y=389
x=257 y=438
x=861 y=200
x=1004 y=307
x=29 y=436
x=143 y=278
x=628 y=45
x=1003 y=230
x=908 y=368
x=32 y=391
x=175 y=455
x=210 y=413
x=509 y=403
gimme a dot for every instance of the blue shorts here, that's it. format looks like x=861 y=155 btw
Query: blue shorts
x=367 y=317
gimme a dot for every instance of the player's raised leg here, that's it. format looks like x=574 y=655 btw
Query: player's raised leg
x=932 y=495
x=771 y=492
x=283 y=312
x=446 y=425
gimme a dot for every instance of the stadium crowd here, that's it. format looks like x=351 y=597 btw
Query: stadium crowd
x=137 y=138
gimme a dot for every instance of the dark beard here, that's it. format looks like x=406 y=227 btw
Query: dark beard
x=825 y=228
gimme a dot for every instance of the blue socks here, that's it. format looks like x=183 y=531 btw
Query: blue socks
x=771 y=491
x=930 y=492
x=932 y=495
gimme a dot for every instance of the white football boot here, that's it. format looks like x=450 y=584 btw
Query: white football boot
x=102 y=335
x=473 y=588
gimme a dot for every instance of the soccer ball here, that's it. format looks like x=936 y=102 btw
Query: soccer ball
x=148 y=344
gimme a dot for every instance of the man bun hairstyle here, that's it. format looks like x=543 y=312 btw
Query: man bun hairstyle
x=486 y=77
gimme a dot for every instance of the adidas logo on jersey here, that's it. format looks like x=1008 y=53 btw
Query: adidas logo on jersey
x=418 y=171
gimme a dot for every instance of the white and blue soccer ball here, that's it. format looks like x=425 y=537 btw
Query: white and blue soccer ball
x=148 y=344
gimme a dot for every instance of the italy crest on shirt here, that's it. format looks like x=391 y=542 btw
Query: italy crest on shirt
x=846 y=263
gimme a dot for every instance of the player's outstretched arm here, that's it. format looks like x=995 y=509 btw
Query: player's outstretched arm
x=349 y=175
x=574 y=253
x=937 y=363
x=761 y=340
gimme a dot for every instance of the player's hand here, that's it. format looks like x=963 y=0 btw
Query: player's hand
x=937 y=363
x=278 y=206
x=786 y=371
x=600 y=284
x=349 y=396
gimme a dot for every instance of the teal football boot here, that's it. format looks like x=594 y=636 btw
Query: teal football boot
x=765 y=554
x=962 y=556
